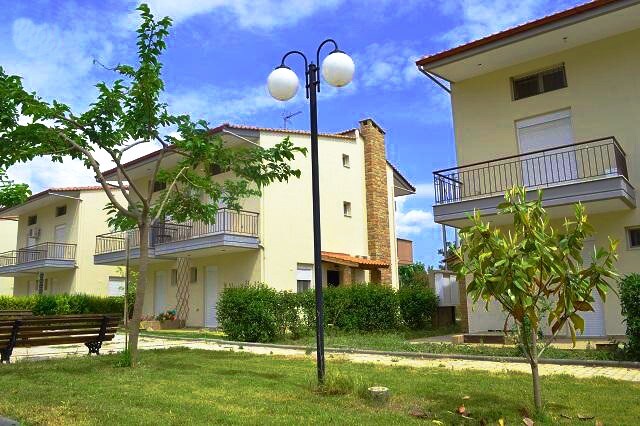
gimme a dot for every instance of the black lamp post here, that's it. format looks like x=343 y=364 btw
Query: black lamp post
x=337 y=70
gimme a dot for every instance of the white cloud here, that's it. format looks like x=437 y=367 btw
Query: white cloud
x=247 y=14
x=387 y=65
x=479 y=18
x=416 y=220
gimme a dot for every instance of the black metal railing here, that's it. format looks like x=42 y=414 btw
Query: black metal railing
x=42 y=251
x=577 y=162
x=227 y=221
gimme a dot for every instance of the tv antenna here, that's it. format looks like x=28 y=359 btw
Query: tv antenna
x=287 y=116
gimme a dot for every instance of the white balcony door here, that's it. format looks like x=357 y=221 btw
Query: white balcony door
x=593 y=321
x=546 y=132
x=160 y=293
x=210 y=296
x=60 y=236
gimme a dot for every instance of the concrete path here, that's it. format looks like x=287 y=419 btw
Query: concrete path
x=617 y=373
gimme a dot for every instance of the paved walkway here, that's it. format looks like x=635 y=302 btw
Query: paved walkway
x=617 y=373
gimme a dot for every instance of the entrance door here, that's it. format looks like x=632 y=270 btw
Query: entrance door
x=210 y=296
x=593 y=320
x=546 y=132
x=160 y=293
x=333 y=278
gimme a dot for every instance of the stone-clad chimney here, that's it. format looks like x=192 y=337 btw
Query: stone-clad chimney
x=375 y=166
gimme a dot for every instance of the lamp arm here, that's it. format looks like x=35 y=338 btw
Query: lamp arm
x=335 y=49
x=306 y=66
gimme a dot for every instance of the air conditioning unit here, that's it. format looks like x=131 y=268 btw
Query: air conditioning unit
x=34 y=233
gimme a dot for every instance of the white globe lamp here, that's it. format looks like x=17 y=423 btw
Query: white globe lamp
x=338 y=69
x=282 y=83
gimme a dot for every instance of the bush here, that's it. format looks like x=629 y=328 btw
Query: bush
x=361 y=307
x=250 y=313
x=418 y=304
x=630 y=301
x=63 y=304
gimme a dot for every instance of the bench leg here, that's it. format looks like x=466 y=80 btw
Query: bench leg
x=5 y=356
x=94 y=347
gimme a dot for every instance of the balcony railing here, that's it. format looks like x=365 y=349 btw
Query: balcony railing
x=42 y=251
x=572 y=163
x=227 y=221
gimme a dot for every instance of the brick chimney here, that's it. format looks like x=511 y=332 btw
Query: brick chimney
x=375 y=166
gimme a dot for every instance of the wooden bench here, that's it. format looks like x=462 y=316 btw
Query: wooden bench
x=15 y=314
x=32 y=331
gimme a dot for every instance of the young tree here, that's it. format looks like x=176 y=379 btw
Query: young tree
x=533 y=270
x=129 y=112
x=11 y=193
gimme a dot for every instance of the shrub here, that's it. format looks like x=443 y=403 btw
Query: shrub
x=630 y=301
x=413 y=274
x=361 y=307
x=418 y=304
x=63 y=304
x=249 y=313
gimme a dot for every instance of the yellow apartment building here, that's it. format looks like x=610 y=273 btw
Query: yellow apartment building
x=8 y=230
x=53 y=245
x=271 y=239
x=551 y=104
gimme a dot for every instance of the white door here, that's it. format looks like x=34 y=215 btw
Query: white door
x=210 y=296
x=60 y=236
x=160 y=293
x=593 y=320
x=545 y=132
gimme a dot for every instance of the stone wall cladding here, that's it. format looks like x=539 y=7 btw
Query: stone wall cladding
x=375 y=165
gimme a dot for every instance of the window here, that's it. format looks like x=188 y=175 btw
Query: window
x=303 y=277
x=159 y=186
x=32 y=220
x=541 y=82
x=61 y=211
x=634 y=238
x=193 y=275
x=346 y=207
x=345 y=161
x=174 y=278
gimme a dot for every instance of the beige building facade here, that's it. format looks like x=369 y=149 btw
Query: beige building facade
x=271 y=239
x=8 y=232
x=53 y=244
x=552 y=105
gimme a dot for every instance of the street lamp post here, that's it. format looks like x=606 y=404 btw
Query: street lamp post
x=337 y=70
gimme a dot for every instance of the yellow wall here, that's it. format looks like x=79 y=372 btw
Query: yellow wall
x=603 y=94
x=8 y=232
x=84 y=220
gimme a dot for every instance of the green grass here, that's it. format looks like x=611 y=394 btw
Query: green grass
x=399 y=342
x=182 y=387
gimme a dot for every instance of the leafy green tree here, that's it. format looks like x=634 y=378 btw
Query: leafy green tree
x=533 y=270
x=129 y=112
x=12 y=194
x=414 y=274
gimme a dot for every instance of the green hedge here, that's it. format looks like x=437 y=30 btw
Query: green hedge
x=63 y=304
x=630 y=301
x=260 y=313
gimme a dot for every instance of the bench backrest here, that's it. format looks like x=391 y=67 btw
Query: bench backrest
x=58 y=330
x=15 y=313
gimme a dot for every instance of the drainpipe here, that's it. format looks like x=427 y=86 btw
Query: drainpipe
x=434 y=79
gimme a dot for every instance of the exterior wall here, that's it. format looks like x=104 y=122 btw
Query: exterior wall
x=602 y=93
x=84 y=220
x=8 y=233
x=405 y=251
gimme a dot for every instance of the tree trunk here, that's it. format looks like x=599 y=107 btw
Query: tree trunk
x=134 y=324
x=537 y=397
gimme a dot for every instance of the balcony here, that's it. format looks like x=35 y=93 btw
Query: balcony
x=43 y=257
x=232 y=231
x=593 y=172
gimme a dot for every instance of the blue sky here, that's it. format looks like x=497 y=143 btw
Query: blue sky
x=221 y=51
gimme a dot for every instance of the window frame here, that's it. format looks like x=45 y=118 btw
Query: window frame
x=539 y=74
x=31 y=222
x=62 y=209
x=628 y=230
x=346 y=161
x=159 y=186
x=347 y=209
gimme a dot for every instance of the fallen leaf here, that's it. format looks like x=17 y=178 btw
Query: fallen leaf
x=527 y=421
x=466 y=397
x=583 y=417
x=501 y=422
x=566 y=417
x=599 y=423
x=461 y=410
x=419 y=413
x=436 y=422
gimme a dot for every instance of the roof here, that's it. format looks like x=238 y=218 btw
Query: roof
x=51 y=191
x=354 y=261
x=224 y=126
x=401 y=177
x=511 y=32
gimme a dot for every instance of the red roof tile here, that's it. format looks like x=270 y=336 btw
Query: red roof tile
x=328 y=256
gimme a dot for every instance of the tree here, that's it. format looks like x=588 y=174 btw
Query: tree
x=413 y=274
x=12 y=194
x=129 y=112
x=533 y=270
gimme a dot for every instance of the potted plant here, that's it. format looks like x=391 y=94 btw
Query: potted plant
x=164 y=321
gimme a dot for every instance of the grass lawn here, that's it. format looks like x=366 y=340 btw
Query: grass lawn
x=399 y=341
x=182 y=386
